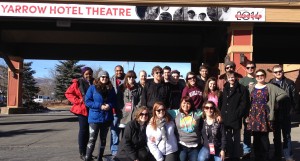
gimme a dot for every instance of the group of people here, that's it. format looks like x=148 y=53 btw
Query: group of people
x=164 y=120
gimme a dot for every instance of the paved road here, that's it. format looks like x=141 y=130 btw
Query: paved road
x=52 y=136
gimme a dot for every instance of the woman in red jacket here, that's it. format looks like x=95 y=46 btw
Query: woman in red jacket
x=75 y=94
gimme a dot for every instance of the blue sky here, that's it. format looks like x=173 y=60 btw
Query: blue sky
x=43 y=67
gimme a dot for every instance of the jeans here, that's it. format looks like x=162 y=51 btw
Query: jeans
x=115 y=132
x=83 y=134
x=246 y=139
x=204 y=155
x=94 y=130
x=186 y=152
x=284 y=127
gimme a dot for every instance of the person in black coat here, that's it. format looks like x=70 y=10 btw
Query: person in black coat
x=133 y=146
x=235 y=104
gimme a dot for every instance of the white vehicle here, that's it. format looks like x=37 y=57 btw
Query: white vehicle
x=41 y=99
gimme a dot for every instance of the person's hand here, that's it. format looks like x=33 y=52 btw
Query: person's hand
x=105 y=107
x=152 y=139
x=247 y=120
x=222 y=155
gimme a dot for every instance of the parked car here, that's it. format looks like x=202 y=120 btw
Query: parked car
x=41 y=99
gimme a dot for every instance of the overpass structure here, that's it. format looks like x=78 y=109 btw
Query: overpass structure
x=147 y=30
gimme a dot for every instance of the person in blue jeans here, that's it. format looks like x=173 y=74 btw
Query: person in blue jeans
x=213 y=134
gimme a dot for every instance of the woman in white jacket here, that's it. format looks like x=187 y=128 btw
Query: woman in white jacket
x=162 y=141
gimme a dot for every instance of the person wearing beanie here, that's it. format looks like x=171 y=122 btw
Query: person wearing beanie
x=75 y=94
x=100 y=100
x=229 y=66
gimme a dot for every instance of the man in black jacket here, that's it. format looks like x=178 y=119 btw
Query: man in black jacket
x=235 y=103
x=282 y=115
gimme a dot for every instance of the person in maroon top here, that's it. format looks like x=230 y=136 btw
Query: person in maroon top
x=193 y=90
x=116 y=81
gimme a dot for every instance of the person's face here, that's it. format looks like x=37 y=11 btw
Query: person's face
x=209 y=110
x=185 y=106
x=202 y=17
x=153 y=10
x=144 y=116
x=212 y=85
x=175 y=77
x=131 y=80
x=278 y=73
x=167 y=74
x=157 y=75
x=104 y=79
x=119 y=72
x=191 y=15
x=231 y=79
x=229 y=68
x=191 y=80
x=143 y=77
x=204 y=73
x=260 y=77
x=160 y=112
x=88 y=75
x=250 y=68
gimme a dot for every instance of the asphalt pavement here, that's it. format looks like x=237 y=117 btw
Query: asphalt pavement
x=52 y=136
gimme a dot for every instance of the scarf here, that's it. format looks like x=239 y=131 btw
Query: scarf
x=160 y=123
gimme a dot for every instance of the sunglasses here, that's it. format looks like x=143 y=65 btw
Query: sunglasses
x=208 y=107
x=104 y=77
x=160 y=110
x=262 y=75
x=190 y=78
x=276 y=72
x=229 y=67
x=158 y=73
x=131 y=77
x=250 y=67
x=144 y=114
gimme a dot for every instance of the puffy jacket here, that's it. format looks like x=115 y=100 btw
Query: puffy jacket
x=94 y=100
x=74 y=95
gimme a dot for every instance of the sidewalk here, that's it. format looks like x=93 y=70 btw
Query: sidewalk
x=52 y=136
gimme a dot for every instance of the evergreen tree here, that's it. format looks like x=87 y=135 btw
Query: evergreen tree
x=29 y=84
x=65 y=72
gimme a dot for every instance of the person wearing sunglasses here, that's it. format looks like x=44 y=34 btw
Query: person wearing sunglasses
x=133 y=145
x=129 y=98
x=264 y=100
x=213 y=134
x=100 y=99
x=75 y=94
x=282 y=115
x=156 y=90
x=248 y=81
x=229 y=66
x=235 y=104
x=160 y=131
x=193 y=90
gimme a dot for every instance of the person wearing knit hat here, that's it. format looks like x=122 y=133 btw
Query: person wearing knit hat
x=229 y=66
x=101 y=101
x=75 y=94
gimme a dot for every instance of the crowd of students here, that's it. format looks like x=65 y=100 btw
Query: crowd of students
x=164 y=120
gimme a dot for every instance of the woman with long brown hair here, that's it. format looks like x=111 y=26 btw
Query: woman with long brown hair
x=161 y=136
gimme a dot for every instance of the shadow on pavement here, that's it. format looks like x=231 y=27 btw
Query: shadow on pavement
x=23 y=132
x=69 y=119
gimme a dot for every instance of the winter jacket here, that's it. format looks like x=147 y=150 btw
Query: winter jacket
x=235 y=105
x=134 y=139
x=94 y=100
x=76 y=96
x=157 y=146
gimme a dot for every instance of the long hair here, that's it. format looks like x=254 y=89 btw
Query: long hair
x=139 y=111
x=207 y=90
x=187 y=99
x=125 y=85
x=102 y=88
x=187 y=81
x=154 y=117
x=216 y=110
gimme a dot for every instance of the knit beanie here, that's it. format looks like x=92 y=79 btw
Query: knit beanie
x=231 y=63
x=103 y=73
x=84 y=69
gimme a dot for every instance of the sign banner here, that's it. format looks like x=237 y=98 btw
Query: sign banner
x=163 y=13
